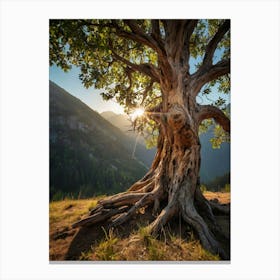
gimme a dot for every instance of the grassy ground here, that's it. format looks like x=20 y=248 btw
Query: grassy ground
x=130 y=242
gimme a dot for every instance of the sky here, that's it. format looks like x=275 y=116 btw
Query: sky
x=71 y=83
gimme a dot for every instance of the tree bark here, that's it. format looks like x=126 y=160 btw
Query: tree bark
x=174 y=174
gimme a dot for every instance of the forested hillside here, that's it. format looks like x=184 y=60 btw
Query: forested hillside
x=214 y=162
x=122 y=122
x=88 y=155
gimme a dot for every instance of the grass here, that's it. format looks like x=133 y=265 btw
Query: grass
x=62 y=214
x=111 y=246
x=68 y=211
x=154 y=249
x=142 y=246
x=86 y=256
x=106 y=250
x=223 y=197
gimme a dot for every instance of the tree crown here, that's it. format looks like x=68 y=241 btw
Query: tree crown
x=127 y=58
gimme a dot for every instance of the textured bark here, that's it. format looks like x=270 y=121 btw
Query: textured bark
x=173 y=177
x=211 y=112
x=174 y=174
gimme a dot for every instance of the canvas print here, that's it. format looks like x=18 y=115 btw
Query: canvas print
x=139 y=138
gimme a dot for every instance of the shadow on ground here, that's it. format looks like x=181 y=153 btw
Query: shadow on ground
x=87 y=238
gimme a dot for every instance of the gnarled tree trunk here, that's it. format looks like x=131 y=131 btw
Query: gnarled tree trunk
x=174 y=174
x=173 y=177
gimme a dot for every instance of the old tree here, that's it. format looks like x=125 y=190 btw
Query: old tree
x=162 y=66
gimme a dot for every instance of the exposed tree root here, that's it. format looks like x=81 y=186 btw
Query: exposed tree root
x=220 y=209
x=171 y=179
x=204 y=206
x=174 y=174
x=192 y=217
x=166 y=214
x=140 y=185
x=147 y=199
x=118 y=209
x=207 y=212
x=100 y=216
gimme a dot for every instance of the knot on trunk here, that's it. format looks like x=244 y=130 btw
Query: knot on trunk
x=177 y=117
x=179 y=128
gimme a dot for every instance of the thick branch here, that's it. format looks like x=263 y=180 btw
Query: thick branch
x=174 y=30
x=212 y=112
x=155 y=30
x=217 y=70
x=209 y=73
x=145 y=68
x=178 y=33
x=212 y=45
x=185 y=54
x=140 y=36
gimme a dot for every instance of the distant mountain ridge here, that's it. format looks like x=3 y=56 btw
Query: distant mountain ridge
x=214 y=162
x=88 y=155
x=122 y=122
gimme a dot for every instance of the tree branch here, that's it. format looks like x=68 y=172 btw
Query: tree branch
x=136 y=35
x=155 y=29
x=185 y=53
x=145 y=92
x=217 y=70
x=212 y=112
x=140 y=36
x=173 y=32
x=145 y=68
x=156 y=35
x=209 y=73
x=212 y=45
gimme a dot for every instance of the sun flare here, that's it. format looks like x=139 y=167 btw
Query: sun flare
x=139 y=112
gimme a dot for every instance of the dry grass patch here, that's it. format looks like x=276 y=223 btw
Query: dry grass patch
x=68 y=211
x=223 y=197
x=62 y=214
x=141 y=246
x=114 y=246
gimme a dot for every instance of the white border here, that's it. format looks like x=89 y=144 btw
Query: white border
x=255 y=138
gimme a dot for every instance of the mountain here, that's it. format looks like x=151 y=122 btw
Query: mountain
x=214 y=162
x=122 y=122
x=88 y=155
x=119 y=120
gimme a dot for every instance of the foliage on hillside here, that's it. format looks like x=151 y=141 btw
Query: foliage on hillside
x=88 y=156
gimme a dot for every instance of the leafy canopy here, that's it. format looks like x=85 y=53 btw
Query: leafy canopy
x=112 y=57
